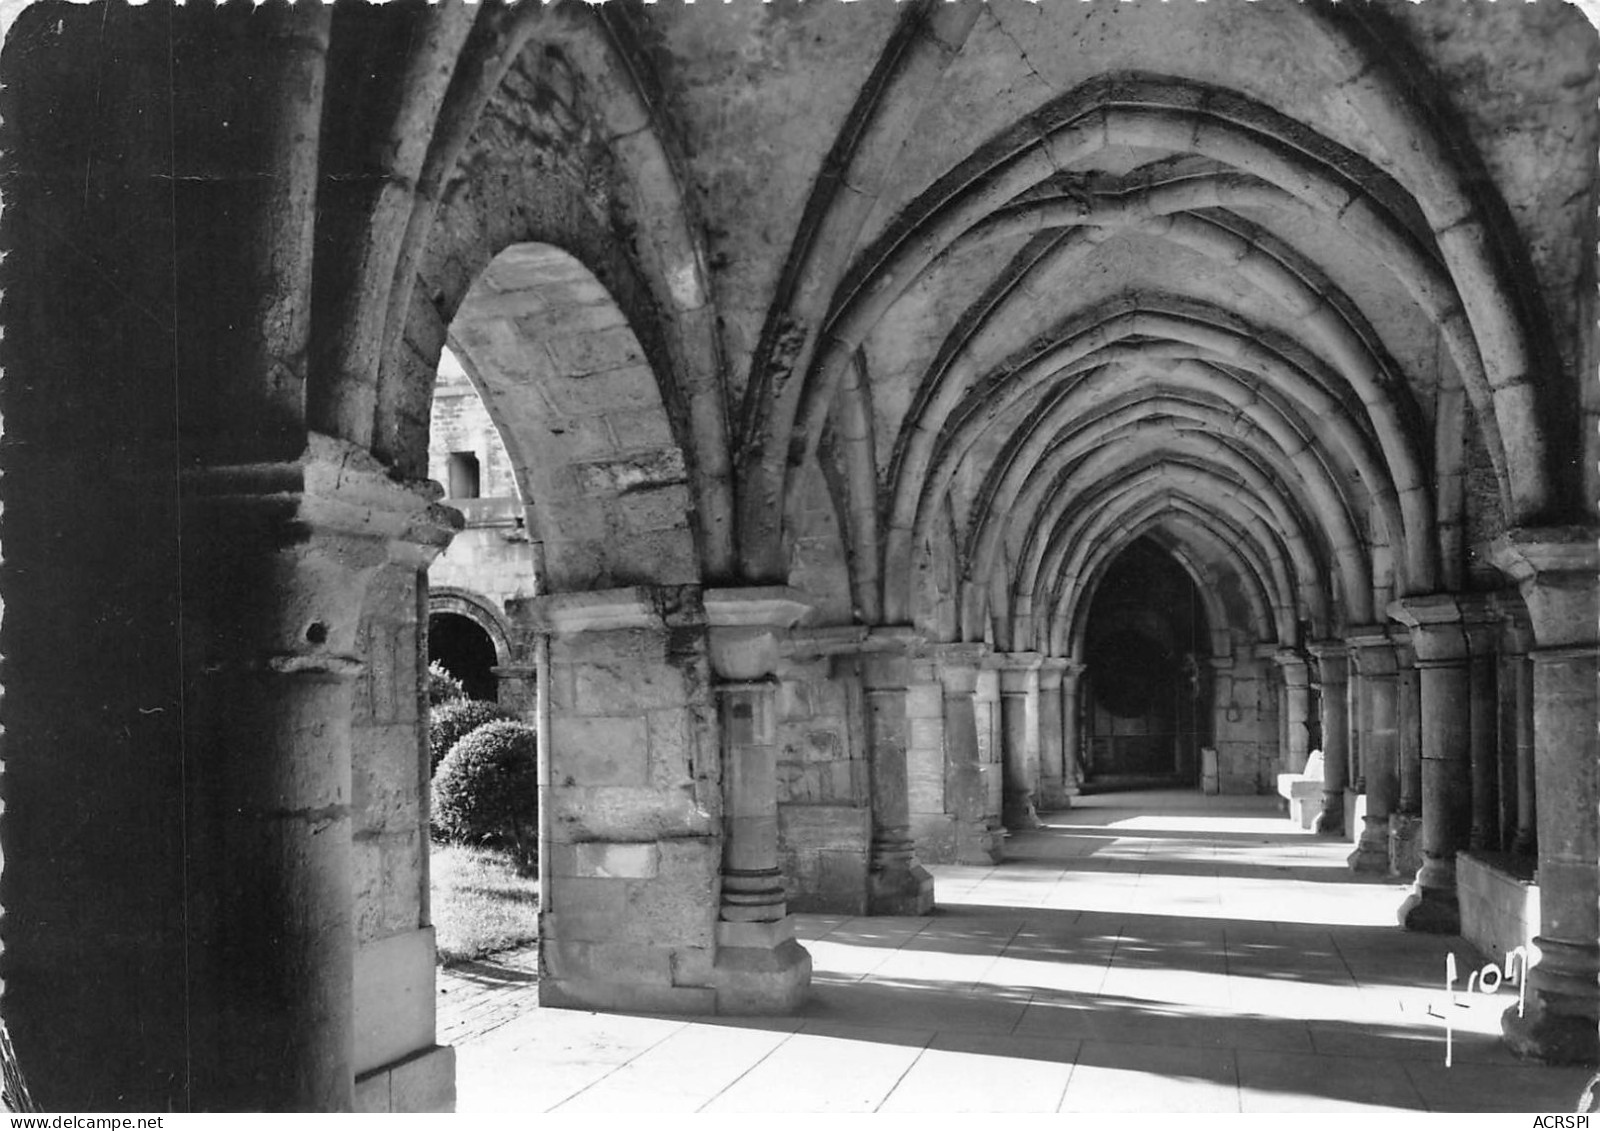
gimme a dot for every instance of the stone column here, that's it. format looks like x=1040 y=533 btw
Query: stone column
x=977 y=839
x=759 y=966
x=1373 y=656
x=986 y=720
x=273 y=656
x=1355 y=734
x=896 y=884
x=1332 y=666
x=1405 y=823
x=1296 y=710
x=1557 y=573
x=1517 y=778
x=1052 y=769
x=1019 y=730
x=1482 y=628
x=1072 y=728
x=1441 y=657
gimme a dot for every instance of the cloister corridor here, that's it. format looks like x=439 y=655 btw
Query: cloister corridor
x=1155 y=951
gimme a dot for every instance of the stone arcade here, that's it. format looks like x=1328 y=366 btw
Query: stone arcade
x=918 y=413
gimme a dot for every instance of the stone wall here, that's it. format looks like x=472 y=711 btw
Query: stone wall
x=1246 y=726
x=824 y=809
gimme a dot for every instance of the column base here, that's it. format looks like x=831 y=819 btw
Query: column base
x=1330 y=821
x=1549 y=1037
x=1054 y=796
x=1371 y=856
x=979 y=844
x=1431 y=911
x=905 y=889
x=1019 y=813
x=936 y=837
x=1405 y=843
x=760 y=969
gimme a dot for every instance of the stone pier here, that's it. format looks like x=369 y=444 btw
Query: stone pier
x=1332 y=668
x=1558 y=572
x=897 y=884
x=1019 y=737
x=1372 y=655
x=1445 y=702
x=1052 y=766
x=634 y=804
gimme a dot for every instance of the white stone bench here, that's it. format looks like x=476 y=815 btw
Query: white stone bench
x=1303 y=791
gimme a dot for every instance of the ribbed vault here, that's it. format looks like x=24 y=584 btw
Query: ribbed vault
x=1260 y=328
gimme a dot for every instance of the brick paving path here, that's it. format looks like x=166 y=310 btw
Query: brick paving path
x=477 y=997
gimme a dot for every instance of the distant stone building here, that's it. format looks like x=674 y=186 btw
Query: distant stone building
x=490 y=561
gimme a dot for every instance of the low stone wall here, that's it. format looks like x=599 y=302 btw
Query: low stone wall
x=1499 y=902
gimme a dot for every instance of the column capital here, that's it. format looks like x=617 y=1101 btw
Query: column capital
x=955 y=665
x=820 y=641
x=1516 y=626
x=600 y=610
x=1558 y=571
x=746 y=626
x=885 y=656
x=1296 y=668
x=1435 y=624
x=1019 y=670
x=1371 y=651
x=332 y=489
x=1020 y=661
x=1333 y=661
x=1051 y=671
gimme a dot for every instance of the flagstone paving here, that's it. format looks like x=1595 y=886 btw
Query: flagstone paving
x=1152 y=951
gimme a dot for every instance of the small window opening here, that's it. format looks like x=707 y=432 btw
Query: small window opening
x=464 y=481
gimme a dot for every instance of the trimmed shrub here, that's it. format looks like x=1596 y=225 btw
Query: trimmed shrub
x=443 y=687
x=487 y=790
x=450 y=723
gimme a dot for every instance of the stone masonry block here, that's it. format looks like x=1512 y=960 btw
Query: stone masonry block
x=926 y=735
x=590 y=909
x=403 y=855
x=366 y=859
x=673 y=744
x=667 y=557
x=822 y=827
x=600 y=751
x=616 y=861
x=925 y=701
x=639 y=429
x=598 y=352
x=624 y=686
x=692 y=966
x=628 y=814
x=628 y=388
x=659 y=508
x=386 y=777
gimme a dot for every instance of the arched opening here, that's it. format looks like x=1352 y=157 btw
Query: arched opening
x=460 y=646
x=1145 y=648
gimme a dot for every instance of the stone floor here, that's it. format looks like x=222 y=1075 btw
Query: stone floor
x=1142 y=952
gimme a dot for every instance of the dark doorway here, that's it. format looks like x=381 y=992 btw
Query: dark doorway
x=1145 y=681
x=463 y=648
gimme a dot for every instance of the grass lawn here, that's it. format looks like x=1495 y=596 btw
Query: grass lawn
x=481 y=903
